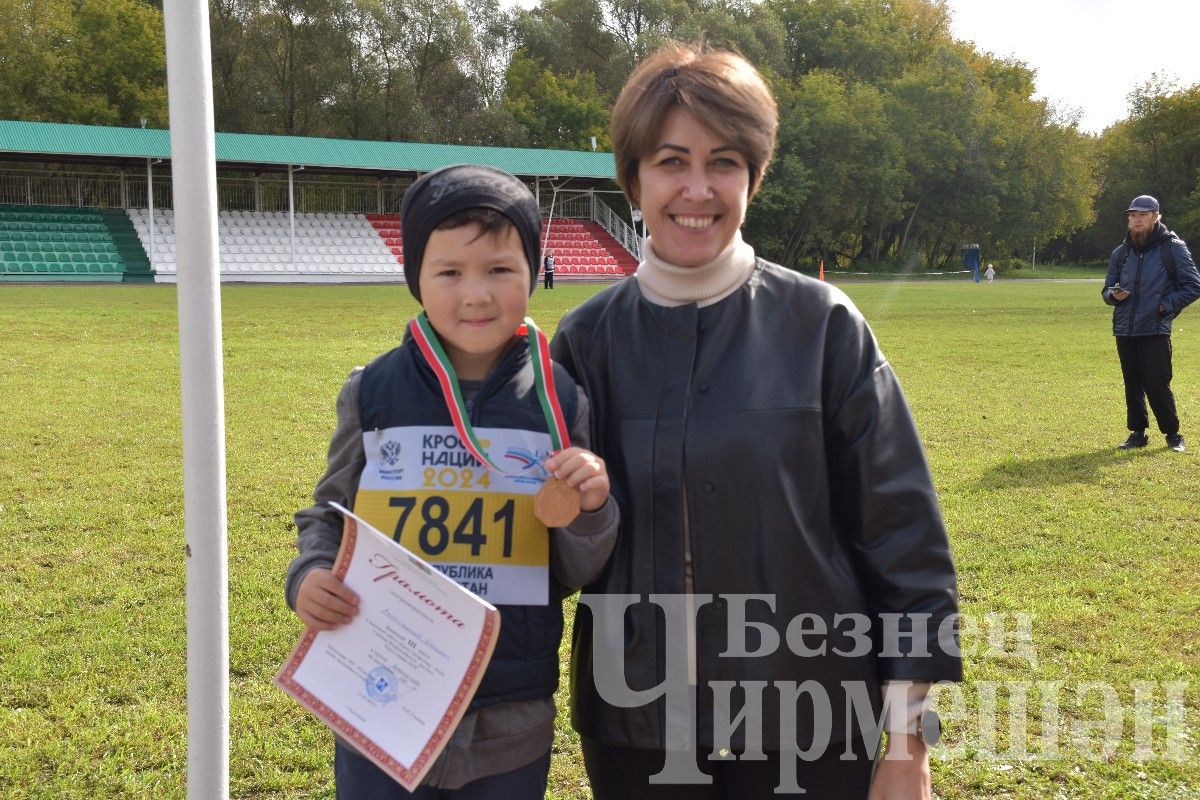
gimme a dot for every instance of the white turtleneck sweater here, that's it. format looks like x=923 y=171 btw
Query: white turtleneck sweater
x=669 y=285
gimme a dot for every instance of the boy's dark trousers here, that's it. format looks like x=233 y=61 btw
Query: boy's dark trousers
x=1146 y=368
x=357 y=778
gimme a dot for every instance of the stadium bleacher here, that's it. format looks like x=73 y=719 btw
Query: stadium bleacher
x=352 y=247
x=256 y=246
x=582 y=248
x=63 y=243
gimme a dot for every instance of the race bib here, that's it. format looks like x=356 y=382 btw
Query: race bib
x=476 y=525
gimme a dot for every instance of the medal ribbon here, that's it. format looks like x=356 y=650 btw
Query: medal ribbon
x=543 y=379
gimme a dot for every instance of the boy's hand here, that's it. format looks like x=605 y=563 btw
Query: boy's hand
x=323 y=602
x=583 y=470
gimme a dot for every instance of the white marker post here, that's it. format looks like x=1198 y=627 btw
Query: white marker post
x=194 y=174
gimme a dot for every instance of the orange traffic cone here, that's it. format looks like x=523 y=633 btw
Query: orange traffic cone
x=821 y=271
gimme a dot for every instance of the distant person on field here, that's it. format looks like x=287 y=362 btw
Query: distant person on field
x=990 y=274
x=1151 y=278
x=548 y=271
x=471 y=247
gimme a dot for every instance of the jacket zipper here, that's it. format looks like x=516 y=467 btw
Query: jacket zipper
x=489 y=384
x=1137 y=282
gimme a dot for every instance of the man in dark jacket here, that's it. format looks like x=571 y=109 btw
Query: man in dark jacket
x=1151 y=278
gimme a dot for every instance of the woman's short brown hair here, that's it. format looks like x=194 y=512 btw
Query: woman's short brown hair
x=721 y=89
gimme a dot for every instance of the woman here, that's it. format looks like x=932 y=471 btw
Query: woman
x=767 y=469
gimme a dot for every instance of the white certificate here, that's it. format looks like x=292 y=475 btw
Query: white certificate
x=396 y=680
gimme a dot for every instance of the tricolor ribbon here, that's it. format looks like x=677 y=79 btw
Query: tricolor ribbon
x=543 y=379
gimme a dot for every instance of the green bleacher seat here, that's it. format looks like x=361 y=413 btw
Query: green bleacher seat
x=77 y=258
x=24 y=258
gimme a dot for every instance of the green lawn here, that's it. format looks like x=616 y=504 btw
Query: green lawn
x=1015 y=387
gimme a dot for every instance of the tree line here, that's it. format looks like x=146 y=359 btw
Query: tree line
x=898 y=143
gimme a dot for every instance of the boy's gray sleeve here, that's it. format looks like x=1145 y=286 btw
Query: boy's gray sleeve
x=579 y=551
x=319 y=527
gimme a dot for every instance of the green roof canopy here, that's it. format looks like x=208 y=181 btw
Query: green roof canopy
x=50 y=141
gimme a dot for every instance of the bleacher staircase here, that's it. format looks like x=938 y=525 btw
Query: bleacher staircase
x=129 y=247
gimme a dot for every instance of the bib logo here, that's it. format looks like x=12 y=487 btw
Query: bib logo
x=390 y=452
x=532 y=470
x=389 y=456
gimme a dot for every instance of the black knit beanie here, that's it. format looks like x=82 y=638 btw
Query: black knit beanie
x=449 y=190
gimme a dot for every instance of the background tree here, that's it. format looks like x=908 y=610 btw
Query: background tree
x=1156 y=150
x=898 y=144
x=88 y=61
x=557 y=111
x=233 y=91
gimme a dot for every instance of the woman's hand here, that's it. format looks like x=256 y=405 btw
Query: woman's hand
x=323 y=602
x=903 y=773
x=585 y=471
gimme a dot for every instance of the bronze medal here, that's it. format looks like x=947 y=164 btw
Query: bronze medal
x=556 y=504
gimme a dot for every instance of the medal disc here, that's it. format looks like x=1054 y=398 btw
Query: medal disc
x=556 y=504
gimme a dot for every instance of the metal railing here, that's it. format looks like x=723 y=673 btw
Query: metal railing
x=617 y=227
x=588 y=205
x=265 y=193
x=50 y=189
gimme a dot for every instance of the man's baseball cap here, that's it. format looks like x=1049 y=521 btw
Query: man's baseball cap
x=1143 y=202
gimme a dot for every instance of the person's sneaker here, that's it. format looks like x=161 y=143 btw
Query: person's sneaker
x=1175 y=442
x=1136 y=439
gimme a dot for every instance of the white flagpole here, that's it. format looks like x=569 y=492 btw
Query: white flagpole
x=194 y=179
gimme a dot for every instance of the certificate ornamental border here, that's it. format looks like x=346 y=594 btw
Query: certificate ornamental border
x=409 y=777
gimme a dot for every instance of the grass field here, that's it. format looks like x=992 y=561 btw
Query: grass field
x=1015 y=387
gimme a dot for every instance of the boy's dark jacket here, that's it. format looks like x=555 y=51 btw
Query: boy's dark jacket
x=399 y=388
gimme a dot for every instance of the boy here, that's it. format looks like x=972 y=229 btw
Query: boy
x=471 y=246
